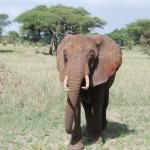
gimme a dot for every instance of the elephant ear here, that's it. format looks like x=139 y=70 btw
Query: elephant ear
x=60 y=58
x=109 y=59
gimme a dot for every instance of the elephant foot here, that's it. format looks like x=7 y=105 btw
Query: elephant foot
x=76 y=146
x=97 y=139
x=104 y=125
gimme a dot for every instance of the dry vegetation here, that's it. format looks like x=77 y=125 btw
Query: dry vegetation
x=32 y=104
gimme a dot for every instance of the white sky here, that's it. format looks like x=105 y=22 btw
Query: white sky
x=117 y=13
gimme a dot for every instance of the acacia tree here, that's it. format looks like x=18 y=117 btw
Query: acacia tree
x=50 y=24
x=3 y=22
x=139 y=31
x=12 y=36
x=120 y=36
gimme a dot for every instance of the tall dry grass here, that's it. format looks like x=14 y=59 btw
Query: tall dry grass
x=32 y=103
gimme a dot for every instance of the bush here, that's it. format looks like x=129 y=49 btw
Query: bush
x=146 y=50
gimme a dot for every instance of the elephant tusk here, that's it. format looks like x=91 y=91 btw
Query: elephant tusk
x=87 y=83
x=65 y=83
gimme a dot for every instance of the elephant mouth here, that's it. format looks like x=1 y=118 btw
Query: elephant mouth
x=87 y=83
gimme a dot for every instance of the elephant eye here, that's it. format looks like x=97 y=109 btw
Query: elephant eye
x=65 y=57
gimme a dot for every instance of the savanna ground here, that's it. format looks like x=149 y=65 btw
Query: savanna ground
x=32 y=104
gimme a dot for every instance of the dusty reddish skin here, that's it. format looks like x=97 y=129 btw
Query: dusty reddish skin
x=99 y=57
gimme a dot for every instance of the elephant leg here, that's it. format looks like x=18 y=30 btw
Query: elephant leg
x=97 y=104
x=97 y=111
x=76 y=137
x=88 y=116
x=105 y=104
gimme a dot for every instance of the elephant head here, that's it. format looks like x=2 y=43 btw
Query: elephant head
x=84 y=61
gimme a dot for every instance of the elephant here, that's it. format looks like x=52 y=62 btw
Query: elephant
x=87 y=65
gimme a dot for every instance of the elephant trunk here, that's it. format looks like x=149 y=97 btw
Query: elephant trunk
x=74 y=80
x=72 y=109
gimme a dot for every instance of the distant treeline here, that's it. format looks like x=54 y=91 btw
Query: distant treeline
x=48 y=25
x=135 y=33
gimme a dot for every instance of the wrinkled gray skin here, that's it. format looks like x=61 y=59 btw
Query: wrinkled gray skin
x=97 y=57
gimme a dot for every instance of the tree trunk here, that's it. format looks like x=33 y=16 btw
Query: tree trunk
x=51 y=48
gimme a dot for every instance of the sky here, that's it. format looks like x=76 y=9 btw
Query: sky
x=117 y=13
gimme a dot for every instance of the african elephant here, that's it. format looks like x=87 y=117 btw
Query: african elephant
x=87 y=65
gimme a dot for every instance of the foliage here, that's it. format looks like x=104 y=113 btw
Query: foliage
x=3 y=22
x=52 y=23
x=139 y=31
x=120 y=36
x=146 y=50
x=12 y=36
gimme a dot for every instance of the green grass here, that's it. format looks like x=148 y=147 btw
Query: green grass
x=32 y=104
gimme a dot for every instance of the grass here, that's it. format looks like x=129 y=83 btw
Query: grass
x=32 y=104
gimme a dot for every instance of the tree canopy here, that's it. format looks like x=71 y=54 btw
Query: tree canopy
x=52 y=23
x=3 y=22
x=120 y=36
x=139 y=31
x=12 y=36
